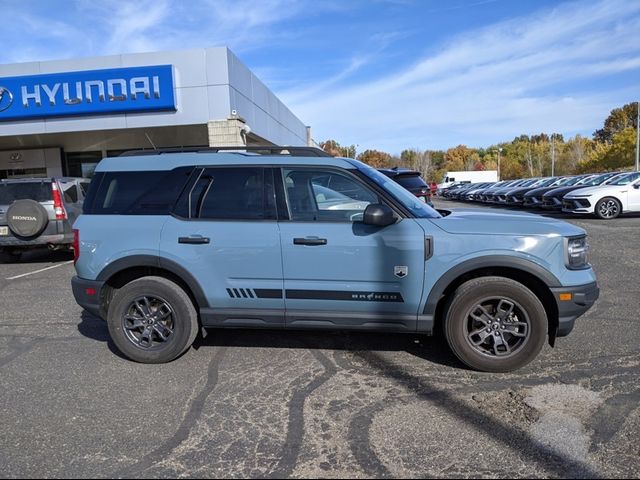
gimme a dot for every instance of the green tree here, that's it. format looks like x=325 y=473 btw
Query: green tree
x=620 y=153
x=618 y=120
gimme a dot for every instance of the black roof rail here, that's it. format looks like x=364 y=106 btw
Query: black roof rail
x=256 y=149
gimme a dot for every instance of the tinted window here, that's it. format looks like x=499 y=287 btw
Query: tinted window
x=135 y=193
x=70 y=194
x=233 y=194
x=410 y=181
x=626 y=180
x=317 y=195
x=10 y=192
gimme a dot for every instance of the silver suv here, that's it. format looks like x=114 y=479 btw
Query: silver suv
x=38 y=212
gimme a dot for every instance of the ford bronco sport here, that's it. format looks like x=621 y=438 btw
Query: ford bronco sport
x=175 y=242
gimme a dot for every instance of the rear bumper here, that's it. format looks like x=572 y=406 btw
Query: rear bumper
x=82 y=293
x=11 y=241
x=582 y=299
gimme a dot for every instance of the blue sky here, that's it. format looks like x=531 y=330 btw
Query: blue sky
x=384 y=74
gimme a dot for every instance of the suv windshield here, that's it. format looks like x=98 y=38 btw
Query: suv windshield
x=408 y=200
x=10 y=192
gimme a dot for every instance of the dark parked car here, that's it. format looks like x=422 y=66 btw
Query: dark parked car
x=552 y=200
x=38 y=212
x=411 y=180
x=515 y=197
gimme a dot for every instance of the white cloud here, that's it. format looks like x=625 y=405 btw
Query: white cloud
x=488 y=85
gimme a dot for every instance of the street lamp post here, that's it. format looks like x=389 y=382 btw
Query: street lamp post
x=638 y=139
x=499 y=151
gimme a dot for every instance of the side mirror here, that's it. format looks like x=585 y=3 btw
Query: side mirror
x=378 y=215
x=636 y=186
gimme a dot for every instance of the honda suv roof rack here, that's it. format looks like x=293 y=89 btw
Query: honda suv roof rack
x=255 y=149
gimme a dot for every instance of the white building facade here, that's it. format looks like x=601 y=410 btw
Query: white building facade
x=59 y=118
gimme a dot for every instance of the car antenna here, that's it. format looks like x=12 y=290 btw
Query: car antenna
x=149 y=138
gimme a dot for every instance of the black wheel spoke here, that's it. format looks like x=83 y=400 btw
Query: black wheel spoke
x=133 y=323
x=163 y=331
x=481 y=336
x=504 y=309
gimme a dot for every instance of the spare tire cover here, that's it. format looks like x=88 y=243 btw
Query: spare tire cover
x=27 y=218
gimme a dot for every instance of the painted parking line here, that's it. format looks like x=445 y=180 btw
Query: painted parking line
x=41 y=270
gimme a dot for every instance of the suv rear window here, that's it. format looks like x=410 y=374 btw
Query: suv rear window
x=410 y=181
x=135 y=193
x=10 y=192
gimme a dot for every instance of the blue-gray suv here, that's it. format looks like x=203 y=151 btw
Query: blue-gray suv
x=173 y=243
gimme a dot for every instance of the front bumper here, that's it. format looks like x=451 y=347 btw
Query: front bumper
x=582 y=299
x=81 y=292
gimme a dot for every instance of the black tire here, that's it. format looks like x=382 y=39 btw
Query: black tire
x=608 y=208
x=500 y=344
x=27 y=218
x=143 y=340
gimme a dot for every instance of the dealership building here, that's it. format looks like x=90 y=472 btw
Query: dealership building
x=59 y=118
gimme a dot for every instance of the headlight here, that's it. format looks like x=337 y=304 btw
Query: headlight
x=576 y=252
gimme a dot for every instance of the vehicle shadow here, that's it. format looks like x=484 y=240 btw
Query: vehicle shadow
x=430 y=349
x=95 y=328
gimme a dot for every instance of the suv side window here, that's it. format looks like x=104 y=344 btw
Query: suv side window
x=135 y=192
x=233 y=193
x=325 y=195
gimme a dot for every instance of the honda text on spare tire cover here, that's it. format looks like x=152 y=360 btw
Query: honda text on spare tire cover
x=172 y=243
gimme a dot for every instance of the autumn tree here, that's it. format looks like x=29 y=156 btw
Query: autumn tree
x=461 y=158
x=376 y=158
x=334 y=149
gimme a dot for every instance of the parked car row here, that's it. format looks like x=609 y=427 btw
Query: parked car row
x=606 y=195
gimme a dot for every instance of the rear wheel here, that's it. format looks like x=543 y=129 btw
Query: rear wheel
x=495 y=324
x=608 y=208
x=152 y=320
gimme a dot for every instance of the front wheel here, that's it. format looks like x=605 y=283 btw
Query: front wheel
x=608 y=208
x=495 y=324
x=152 y=320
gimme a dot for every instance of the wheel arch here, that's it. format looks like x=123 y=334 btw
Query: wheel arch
x=127 y=269
x=533 y=276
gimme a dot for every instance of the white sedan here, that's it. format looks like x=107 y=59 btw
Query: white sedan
x=606 y=201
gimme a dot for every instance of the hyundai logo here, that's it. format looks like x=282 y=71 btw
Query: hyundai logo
x=6 y=99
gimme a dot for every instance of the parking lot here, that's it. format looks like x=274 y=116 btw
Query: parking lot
x=278 y=404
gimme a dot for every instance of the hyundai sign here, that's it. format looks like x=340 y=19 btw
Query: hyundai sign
x=91 y=92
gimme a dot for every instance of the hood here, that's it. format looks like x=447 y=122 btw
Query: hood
x=536 y=192
x=559 y=191
x=483 y=222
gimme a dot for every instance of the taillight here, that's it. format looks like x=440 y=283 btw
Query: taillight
x=58 y=206
x=76 y=245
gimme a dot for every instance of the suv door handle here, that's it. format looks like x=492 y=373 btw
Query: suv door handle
x=310 y=241
x=194 y=240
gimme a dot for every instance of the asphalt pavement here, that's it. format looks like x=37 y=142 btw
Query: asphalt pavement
x=334 y=405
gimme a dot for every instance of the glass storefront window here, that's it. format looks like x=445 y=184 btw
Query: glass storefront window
x=82 y=164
